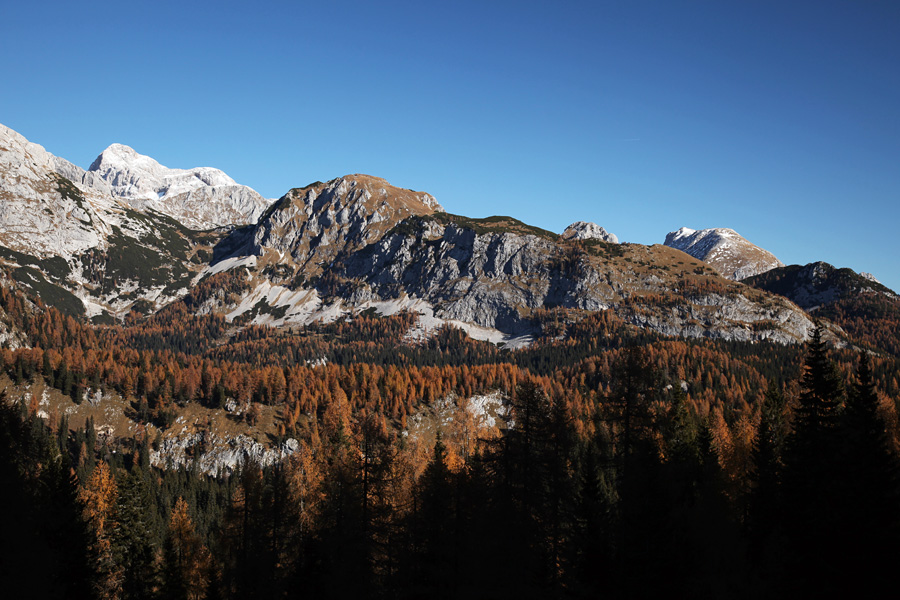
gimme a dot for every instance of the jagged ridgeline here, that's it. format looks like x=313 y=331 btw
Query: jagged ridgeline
x=350 y=392
x=356 y=243
x=130 y=238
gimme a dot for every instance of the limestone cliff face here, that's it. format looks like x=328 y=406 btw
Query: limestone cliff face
x=108 y=236
x=499 y=279
x=315 y=224
x=492 y=280
x=42 y=213
x=69 y=240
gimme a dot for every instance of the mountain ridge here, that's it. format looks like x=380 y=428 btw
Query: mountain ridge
x=356 y=242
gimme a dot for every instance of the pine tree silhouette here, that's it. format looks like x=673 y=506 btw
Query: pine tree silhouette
x=810 y=486
x=867 y=491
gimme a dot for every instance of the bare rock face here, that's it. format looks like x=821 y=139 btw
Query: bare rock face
x=726 y=251
x=68 y=240
x=492 y=280
x=355 y=241
x=41 y=212
x=316 y=223
x=869 y=276
x=219 y=454
x=501 y=280
x=581 y=230
x=200 y=198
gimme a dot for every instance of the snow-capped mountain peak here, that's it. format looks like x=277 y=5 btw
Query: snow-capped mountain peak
x=201 y=198
x=724 y=249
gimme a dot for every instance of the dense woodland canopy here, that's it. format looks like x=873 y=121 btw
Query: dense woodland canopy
x=636 y=464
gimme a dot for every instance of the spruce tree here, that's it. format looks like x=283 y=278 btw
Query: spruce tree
x=45 y=550
x=765 y=508
x=134 y=543
x=868 y=490
x=811 y=511
x=435 y=561
x=765 y=474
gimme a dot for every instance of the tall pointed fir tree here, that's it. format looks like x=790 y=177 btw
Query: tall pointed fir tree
x=811 y=511
x=433 y=563
x=134 y=542
x=47 y=540
x=868 y=491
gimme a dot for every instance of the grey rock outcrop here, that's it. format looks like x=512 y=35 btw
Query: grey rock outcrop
x=69 y=233
x=498 y=280
x=218 y=454
x=39 y=214
x=582 y=230
x=869 y=276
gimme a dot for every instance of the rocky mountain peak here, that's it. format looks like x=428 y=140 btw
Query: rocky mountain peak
x=122 y=156
x=582 y=230
x=725 y=250
x=869 y=276
x=352 y=243
x=819 y=283
x=315 y=223
x=368 y=188
x=201 y=198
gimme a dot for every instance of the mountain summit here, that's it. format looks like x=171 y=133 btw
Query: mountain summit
x=725 y=250
x=581 y=230
x=200 y=198
x=316 y=223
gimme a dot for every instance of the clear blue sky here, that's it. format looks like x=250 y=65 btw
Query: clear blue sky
x=778 y=119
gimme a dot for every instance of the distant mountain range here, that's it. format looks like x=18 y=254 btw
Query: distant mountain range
x=131 y=236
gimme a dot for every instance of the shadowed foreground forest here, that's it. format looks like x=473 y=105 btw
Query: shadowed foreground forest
x=628 y=466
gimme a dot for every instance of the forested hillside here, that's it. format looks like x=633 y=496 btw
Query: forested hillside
x=622 y=463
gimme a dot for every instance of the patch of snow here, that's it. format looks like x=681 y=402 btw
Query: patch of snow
x=428 y=322
x=228 y=264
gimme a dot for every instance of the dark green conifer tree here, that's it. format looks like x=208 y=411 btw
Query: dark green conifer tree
x=45 y=549
x=764 y=508
x=136 y=540
x=868 y=497
x=434 y=560
x=810 y=482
